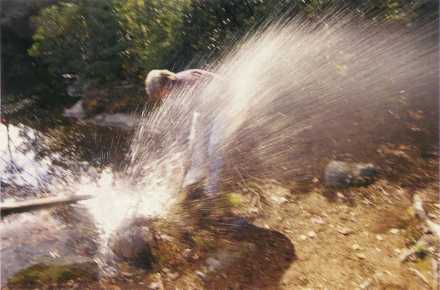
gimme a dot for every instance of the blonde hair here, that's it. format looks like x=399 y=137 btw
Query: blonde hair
x=156 y=80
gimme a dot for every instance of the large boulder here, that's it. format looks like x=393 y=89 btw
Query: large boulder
x=133 y=242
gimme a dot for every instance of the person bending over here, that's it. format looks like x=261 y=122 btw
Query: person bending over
x=206 y=162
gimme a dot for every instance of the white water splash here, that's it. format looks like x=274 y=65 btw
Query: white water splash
x=116 y=200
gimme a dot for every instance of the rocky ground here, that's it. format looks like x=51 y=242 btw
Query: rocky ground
x=268 y=235
x=346 y=226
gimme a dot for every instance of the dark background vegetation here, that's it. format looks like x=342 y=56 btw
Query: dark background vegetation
x=105 y=43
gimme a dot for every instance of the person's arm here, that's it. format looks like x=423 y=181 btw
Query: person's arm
x=194 y=75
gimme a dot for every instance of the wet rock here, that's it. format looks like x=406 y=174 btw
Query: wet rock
x=345 y=174
x=55 y=271
x=40 y=238
x=363 y=174
x=338 y=174
x=133 y=242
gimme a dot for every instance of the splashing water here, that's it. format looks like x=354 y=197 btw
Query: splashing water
x=116 y=200
x=298 y=91
x=287 y=96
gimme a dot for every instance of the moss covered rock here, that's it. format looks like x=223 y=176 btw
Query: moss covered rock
x=56 y=271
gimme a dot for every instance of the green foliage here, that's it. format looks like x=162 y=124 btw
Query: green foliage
x=82 y=37
x=209 y=26
x=113 y=40
x=396 y=10
x=233 y=199
x=150 y=28
x=106 y=40
x=41 y=274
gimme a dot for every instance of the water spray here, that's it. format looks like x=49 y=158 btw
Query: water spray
x=294 y=93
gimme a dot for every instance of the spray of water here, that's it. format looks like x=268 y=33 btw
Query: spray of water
x=285 y=96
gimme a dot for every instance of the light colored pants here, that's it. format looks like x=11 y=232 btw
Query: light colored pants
x=206 y=156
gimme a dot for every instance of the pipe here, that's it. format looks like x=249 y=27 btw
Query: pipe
x=8 y=208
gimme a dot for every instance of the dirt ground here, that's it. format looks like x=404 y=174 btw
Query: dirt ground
x=323 y=239
x=356 y=246
x=287 y=235
x=276 y=236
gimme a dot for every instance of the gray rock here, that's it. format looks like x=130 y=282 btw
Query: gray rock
x=338 y=174
x=133 y=242
x=345 y=174
x=363 y=173
x=47 y=241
